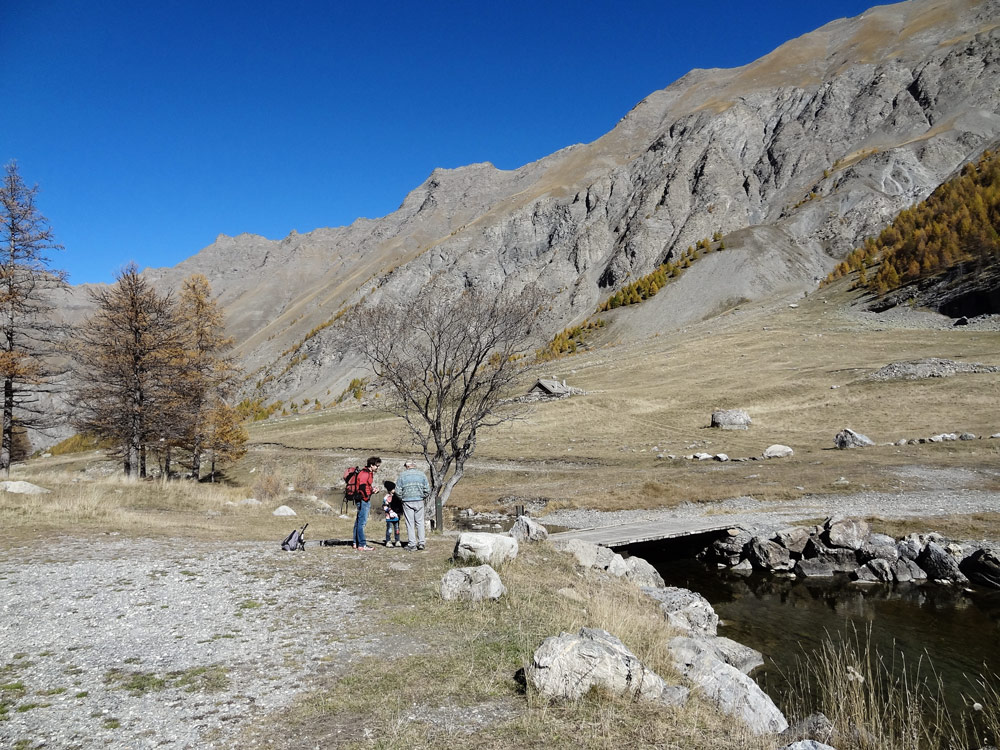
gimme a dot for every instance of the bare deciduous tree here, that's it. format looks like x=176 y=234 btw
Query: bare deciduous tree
x=448 y=367
x=27 y=334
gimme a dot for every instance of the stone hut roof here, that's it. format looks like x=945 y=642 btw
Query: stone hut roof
x=550 y=388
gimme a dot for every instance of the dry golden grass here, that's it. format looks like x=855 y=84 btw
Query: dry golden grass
x=973 y=526
x=877 y=700
x=599 y=450
x=446 y=661
x=85 y=504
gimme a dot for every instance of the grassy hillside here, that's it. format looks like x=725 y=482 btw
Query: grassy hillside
x=799 y=371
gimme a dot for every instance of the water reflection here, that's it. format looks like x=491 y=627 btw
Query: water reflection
x=785 y=618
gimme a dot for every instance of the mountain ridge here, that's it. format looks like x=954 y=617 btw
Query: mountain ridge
x=795 y=157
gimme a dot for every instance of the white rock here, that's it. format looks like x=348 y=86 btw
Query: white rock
x=493 y=549
x=732 y=691
x=568 y=665
x=527 y=529
x=778 y=451
x=472 y=584
x=684 y=609
x=283 y=510
x=641 y=573
x=22 y=488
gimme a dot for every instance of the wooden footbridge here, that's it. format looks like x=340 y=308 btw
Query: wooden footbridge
x=640 y=532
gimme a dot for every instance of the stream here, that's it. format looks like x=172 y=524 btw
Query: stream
x=953 y=632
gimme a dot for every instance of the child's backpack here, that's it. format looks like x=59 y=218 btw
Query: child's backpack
x=352 y=487
x=295 y=541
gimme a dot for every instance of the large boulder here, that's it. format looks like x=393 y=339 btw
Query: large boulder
x=841 y=559
x=808 y=745
x=528 y=530
x=590 y=555
x=793 y=539
x=735 y=654
x=874 y=571
x=642 y=574
x=848 y=438
x=910 y=546
x=685 y=610
x=732 y=691
x=878 y=547
x=982 y=567
x=568 y=665
x=20 y=487
x=283 y=510
x=493 y=549
x=849 y=533
x=472 y=584
x=939 y=565
x=767 y=555
x=905 y=570
x=731 y=419
x=777 y=451
x=815 y=568
x=728 y=549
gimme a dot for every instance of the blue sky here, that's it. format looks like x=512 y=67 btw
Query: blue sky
x=152 y=127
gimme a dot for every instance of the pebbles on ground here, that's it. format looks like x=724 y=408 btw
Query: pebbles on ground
x=131 y=643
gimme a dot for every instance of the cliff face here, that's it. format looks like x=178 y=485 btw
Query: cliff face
x=795 y=158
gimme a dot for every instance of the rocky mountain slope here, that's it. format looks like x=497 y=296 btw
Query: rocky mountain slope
x=794 y=158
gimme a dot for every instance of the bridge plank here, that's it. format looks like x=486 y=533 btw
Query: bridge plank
x=624 y=534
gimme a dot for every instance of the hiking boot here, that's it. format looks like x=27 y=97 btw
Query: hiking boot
x=421 y=547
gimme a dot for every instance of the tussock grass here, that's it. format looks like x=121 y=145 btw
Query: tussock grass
x=444 y=662
x=877 y=701
x=79 y=503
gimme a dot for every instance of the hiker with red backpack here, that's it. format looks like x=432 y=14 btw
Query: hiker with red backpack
x=360 y=487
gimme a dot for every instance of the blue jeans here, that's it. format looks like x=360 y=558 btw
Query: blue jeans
x=390 y=526
x=359 y=525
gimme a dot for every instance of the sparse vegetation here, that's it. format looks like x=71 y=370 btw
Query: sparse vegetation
x=569 y=341
x=355 y=388
x=958 y=223
x=879 y=701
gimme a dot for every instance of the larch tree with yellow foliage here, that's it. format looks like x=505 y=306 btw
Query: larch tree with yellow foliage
x=212 y=425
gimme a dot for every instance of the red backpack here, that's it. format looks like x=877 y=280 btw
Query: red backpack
x=352 y=487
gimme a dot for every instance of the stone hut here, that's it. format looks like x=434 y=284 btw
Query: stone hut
x=550 y=389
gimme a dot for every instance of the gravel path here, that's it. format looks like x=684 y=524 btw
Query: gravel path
x=170 y=644
x=761 y=517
